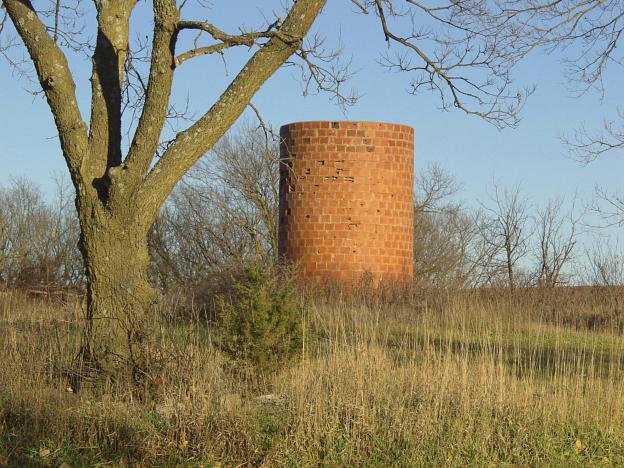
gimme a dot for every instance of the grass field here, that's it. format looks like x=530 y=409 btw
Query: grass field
x=453 y=379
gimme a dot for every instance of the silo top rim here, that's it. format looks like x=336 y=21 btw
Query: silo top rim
x=356 y=122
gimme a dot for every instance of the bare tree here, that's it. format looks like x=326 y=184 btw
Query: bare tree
x=118 y=198
x=38 y=241
x=557 y=234
x=245 y=164
x=505 y=229
x=433 y=187
x=605 y=263
x=26 y=222
x=467 y=58
x=434 y=257
x=448 y=250
x=223 y=214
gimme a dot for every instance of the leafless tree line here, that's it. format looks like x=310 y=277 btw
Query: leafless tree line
x=223 y=216
x=38 y=239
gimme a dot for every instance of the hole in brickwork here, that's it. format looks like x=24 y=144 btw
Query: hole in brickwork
x=349 y=179
x=291 y=188
x=321 y=163
x=327 y=178
x=335 y=125
x=308 y=170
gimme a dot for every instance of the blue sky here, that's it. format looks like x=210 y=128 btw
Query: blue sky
x=472 y=150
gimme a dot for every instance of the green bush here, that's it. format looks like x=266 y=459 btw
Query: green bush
x=260 y=324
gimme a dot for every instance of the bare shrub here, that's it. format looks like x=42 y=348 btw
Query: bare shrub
x=38 y=240
x=605 y=263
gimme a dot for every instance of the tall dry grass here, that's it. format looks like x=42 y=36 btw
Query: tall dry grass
x=470 y=378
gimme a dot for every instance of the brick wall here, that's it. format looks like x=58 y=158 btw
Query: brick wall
x=346 y=199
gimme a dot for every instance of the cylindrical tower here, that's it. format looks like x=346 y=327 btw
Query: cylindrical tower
x=346 y=199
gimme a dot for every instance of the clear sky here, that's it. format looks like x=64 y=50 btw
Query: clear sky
x=474 y=151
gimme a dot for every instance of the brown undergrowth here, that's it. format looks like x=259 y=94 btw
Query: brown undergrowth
x=448 y=378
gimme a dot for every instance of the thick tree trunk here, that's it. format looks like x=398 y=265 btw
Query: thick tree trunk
x=119 y=297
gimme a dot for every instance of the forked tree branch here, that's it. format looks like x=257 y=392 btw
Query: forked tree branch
x=147 y=135
x=106 y=87
x=225 y=40
x=191 y=143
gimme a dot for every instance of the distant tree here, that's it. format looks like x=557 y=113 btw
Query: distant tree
x=556 y=235
x=38 y=240
x=505 y=229
x=448 y=251
x=223 y=215
x=605 y=263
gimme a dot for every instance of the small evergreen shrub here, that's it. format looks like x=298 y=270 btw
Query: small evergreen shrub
x=260 y=324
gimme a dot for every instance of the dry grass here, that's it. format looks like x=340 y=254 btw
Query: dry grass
x=454 y=379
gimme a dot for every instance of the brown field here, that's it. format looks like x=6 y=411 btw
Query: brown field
x=452 y=379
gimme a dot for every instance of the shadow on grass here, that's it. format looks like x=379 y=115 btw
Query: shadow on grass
x=521 y=358
x=30 y=439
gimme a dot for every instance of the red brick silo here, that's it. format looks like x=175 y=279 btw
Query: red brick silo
x=346 y=199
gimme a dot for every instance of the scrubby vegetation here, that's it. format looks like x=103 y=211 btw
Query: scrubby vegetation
x=446 y=379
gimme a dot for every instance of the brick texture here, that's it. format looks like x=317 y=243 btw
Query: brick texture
x=346 y=199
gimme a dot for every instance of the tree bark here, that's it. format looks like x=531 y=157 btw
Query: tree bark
x=119 y=296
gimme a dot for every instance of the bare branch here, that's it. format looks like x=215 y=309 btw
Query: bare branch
x=55 y=79
x=225 y=40
x=585 y=146
x=323 y=71
x=57 y=10
x=432 y=186
x=109 y=59
x=471 y=43
x=609 y=207
x=190 y=144
x=146 y=137
x=360 y=6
